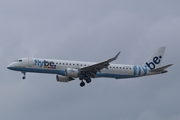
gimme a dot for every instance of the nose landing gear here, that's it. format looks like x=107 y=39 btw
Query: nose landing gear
x=24 y=77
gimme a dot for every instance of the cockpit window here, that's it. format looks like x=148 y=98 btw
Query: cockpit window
x=18 y=60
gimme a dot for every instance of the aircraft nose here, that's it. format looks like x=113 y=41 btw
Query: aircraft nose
x=10 y=66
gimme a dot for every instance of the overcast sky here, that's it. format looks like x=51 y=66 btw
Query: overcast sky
x=89 y=31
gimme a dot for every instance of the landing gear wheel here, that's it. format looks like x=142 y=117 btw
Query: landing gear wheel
x=24 y=73
x=82 y=84
x=88 y=80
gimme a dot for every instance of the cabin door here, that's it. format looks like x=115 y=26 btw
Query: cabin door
x=30 y=62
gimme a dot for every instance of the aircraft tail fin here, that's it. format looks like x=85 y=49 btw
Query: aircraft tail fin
x=156 y=59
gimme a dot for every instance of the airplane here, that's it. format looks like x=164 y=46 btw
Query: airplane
x=70 y=70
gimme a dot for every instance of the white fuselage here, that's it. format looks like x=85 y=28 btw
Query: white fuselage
x=51 y=66
x=70 y=70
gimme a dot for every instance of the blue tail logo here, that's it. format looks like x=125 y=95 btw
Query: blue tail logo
x=156 y=61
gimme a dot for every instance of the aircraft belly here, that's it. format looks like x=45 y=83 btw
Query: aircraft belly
x=118 y=74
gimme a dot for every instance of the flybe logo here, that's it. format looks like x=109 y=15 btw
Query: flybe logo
x=45 y=64
x=156 y=61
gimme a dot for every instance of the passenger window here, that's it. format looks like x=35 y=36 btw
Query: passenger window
x=20 y=60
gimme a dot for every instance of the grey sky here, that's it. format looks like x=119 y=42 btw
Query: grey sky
x=89 y=31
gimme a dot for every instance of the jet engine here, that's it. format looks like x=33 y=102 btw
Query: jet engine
x=60 y=78
x=72 y=72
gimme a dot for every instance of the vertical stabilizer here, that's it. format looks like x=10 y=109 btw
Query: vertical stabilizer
x=156 y=59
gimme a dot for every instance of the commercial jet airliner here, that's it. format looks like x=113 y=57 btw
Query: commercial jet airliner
x=69 y=70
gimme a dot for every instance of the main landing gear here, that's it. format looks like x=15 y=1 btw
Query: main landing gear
x=88 y=80
x=24 y=77
x=82 y=84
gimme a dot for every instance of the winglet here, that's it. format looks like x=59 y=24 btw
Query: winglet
x=114 y=58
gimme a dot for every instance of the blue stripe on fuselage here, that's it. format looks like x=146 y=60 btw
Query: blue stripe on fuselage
x=117 y=76
x=140 y=70
x=62 y=72
x=36 y=70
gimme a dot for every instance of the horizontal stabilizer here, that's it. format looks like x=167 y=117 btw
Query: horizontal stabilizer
x=160 y=69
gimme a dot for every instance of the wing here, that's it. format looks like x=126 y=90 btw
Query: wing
x=90 y=71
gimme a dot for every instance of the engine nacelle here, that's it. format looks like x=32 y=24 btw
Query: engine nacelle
x=72 y=72
x=60 y=78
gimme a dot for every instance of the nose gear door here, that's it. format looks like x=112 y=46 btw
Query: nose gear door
x=30 y=62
